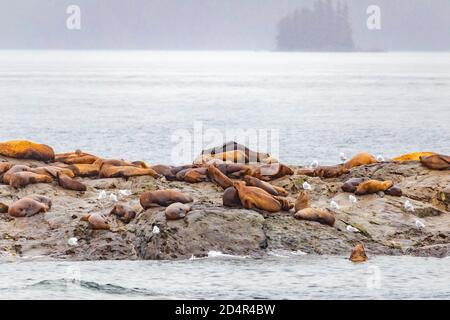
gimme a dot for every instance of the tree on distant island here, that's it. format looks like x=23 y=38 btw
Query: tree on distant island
x=324 y=28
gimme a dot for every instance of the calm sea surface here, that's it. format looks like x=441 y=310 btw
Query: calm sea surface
x=134 y=104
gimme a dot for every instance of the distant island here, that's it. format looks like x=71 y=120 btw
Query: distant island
x=325 y=27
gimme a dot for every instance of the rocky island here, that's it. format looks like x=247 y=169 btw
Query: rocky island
x=415 y=222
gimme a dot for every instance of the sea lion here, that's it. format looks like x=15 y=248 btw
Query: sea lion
x=351 y=184
x=22 y=149
x=256 y=198
x=177 y=211
x=124 y=169
x=358 y=253
x=163 y=198
x=54 y=170
x=373 y=186
x=330 y=171
x=286 y=204
x=14 y=169
x=27 y=207
x=414 y=156
x=195 y=175
x=251 y=156
x=166 y=171
x=97 y=221
x=231 y=198
x=3 y=208
x=436 y=162
x=5 y=166
x=24 y=178
x=273 y=190
x=42 y=199
x=394 y=191
x=76 y=157
x=318 y=215
x=86 y=170
x=68 y=183
x=235 y=170
x=217 y=177
x=302 y=201
x=360 y=159
x=267 y=172
x=124 y=212
x=177 y=169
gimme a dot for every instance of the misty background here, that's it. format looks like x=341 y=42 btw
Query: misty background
x=212 y=24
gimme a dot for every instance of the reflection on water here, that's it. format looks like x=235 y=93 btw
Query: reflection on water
x=280 y=276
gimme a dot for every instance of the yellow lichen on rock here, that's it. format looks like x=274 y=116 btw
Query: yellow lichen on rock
x=23 y=149
x=414 y=156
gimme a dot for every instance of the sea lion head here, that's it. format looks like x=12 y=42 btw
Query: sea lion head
x=358 y=253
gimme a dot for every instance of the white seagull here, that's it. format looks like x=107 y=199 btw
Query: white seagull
x=306 y=186
x=155 y=230
x=342 y=156
x=380 y=158
x=334 y=205
x=352 y=199
x=408 y=206
x=420 y=224
x=352 y=229
x=125 y=192
x=72 y=242
x=102 y=195
x=113 y=197
x=314 y=164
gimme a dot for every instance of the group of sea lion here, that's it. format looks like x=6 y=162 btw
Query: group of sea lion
x=245 y=176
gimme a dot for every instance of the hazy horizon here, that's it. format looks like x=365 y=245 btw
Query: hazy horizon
x=199 y=25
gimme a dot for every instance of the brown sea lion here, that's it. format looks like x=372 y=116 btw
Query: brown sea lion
x=436 y=162
x=68 y=183
x=351 y=184
x=394 y=191
x=360 y=159
x=318 y=215
x=195 y=175
x=231 y=198
x=166 y=171
x=217 y=177
x=27 y=207
x=256 y=198
x=3 y=208
x=273 y=190
x=5 y=166
x=97 y=221
x=42 y=199
x=22 y=149
x=53 y=171
x=124 y=212
x=86 y=170
x=414 y=156
x=373 y=186
x=24 y=178
x=14 y=169
x=235 y=170
x=163 y=198
x=252 y=156
x=302 y=201
x=76 y=157
x=330 y=171
x=177 y=169
x=286 y=204
x=306 y=172
x=358 y=253
x=273 y=171
x=122 y=169
x=177 y=211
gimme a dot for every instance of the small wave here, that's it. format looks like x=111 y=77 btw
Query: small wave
x=218 y=254
x=285 y=253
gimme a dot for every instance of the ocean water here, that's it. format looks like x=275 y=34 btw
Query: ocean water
x=139 y=105
x=282 y=276
x=299 y=106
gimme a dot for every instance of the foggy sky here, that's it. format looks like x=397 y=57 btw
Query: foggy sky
x=209 y=24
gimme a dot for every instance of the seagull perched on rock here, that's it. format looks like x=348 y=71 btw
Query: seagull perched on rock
x=334 y=205
x=307 y=186
x=113 y=197
x=102 y=195
x=380 y=158
x=72 y=241
x=409 y=206
x=420 y=224
x=352 y=199
x=155 y=230
x=314 y=164
x=342 y=156
x=352 y=229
